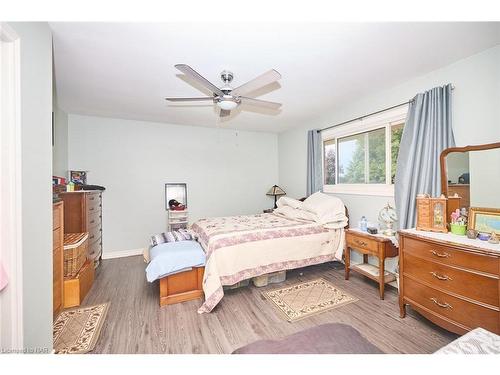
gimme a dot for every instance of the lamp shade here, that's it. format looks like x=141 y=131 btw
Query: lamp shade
x=276 y=190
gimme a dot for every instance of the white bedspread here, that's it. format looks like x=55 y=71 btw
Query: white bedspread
x=240 y=247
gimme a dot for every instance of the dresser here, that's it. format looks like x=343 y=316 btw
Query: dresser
x=450 y=279
x=83 y=213
x=57 y=256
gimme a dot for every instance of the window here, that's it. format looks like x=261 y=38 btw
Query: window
x=360 y=157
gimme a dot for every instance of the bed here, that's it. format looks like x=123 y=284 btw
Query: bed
x=297 y=234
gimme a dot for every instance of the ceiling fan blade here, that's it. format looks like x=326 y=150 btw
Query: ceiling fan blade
x=256 y=83
x=189 y=99
x=186 y=69
x=260 y=103
x=224 y=113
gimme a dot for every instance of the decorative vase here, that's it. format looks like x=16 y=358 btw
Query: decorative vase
x=459 y=229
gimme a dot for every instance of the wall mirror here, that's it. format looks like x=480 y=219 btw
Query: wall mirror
x=472 y=173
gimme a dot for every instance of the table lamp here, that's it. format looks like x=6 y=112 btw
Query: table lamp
x=275 y=191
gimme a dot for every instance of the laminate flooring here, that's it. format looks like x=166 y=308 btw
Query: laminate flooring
x=137 y=324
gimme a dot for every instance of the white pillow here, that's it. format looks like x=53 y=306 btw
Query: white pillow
x=327 y=208
x=286 y=201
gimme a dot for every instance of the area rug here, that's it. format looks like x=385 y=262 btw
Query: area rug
x=333 y=338
x=302 y=300
x=76 y=331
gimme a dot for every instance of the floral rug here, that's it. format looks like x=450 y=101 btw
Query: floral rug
x=308 y=298
x=76 y=331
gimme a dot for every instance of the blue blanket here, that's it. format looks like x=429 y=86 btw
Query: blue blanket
x=171 y=257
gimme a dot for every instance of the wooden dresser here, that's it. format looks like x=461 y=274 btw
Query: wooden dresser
x=57 y=256
x=83 y=213
x=451 y=280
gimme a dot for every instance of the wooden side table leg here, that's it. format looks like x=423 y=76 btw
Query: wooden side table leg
x=347 y=262
x=381 y=281
x=402 y=308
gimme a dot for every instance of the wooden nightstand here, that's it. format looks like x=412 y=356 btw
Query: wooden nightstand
x=369 y=244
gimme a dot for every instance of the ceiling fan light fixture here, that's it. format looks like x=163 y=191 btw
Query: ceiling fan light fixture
x=227 y=102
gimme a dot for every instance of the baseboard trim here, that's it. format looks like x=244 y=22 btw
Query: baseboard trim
x=122 y=254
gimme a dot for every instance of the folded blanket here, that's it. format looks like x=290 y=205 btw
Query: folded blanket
x=172 y=257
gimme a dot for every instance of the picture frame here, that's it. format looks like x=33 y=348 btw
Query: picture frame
x=484 y=220
x=78 y=177
x=177 y=191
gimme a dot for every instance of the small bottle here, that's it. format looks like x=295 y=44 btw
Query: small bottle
x=363 y=224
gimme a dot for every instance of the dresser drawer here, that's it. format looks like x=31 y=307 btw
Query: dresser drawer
x=57 y=238
x=95 y=249
x=94 y=206
x=93 y=219
x=95 y=233
x=449 y=256
x=361 y=243
x=449 y=279
x=92 y=198
x=451 y=308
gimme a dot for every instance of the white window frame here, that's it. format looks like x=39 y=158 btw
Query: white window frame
x=379 y=121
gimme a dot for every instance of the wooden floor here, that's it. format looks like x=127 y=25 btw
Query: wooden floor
x=136 y=324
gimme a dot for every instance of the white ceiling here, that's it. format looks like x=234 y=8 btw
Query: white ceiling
x=125 y=70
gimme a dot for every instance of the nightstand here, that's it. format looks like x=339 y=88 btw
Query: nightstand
x=370 y=244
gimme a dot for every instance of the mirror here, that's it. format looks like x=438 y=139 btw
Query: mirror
x=472 y=173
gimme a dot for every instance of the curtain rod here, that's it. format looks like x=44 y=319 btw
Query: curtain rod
x=370 y=114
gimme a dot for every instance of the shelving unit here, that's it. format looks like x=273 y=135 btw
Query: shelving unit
x=177 y=219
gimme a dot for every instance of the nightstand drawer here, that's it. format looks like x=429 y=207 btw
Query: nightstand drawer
x=361 y=243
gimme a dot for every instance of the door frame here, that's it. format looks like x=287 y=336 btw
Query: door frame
x=10 y=187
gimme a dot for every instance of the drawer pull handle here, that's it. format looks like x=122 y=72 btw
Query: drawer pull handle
x=439 y=277
x=92 y=222
x=361 y=243
x=445 y=305
x=440 y=255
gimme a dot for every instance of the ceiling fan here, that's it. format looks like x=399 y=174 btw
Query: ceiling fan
x=226 y=97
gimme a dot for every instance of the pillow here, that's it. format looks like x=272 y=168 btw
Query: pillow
x=286 y=201
x=328 y=208
x=178 y=235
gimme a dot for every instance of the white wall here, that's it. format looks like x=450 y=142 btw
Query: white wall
x=36 y=164
x=228 y=172
x=60 y=147
x=476 y=120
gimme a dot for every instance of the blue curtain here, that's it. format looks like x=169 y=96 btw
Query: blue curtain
x=314 y=173
x=426 y=133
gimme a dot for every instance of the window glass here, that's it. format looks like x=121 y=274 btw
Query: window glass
x=396 y=133
x=376 y=156
x=352 y=159
x=329 y=161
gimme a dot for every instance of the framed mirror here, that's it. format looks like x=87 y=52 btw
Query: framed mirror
x=473 y=174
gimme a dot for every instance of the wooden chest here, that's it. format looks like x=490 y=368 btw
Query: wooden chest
x=75 y=289
x=182 y=286
x=453 y=284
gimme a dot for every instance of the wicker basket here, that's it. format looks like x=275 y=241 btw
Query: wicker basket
x=75 y=252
